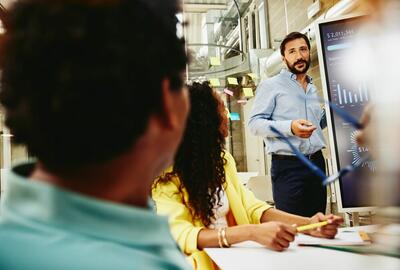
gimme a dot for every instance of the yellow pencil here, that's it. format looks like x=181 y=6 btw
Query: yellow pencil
x=312 y=226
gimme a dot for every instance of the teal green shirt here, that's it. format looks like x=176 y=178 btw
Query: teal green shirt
x=44 y=227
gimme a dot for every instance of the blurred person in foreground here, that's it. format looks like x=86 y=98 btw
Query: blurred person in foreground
x=379 y=38
x=73 y=80
x=207 y=204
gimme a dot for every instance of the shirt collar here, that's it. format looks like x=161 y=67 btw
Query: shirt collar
x=293 y=76
x=70 y=211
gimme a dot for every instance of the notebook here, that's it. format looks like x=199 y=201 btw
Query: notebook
x=343 y=238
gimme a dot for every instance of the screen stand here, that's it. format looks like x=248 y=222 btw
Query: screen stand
x=355 y=219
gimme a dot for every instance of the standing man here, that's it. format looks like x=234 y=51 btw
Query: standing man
x=289 y=102
x=81 y=90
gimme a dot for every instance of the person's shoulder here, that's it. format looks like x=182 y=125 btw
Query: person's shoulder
x=269 y=84
x=19 y=251
x=134 y=259
x=169 y=183
x=280 y=78
x=228 y=156
x=230 y=160
x=265 y=82
x=273 y=79
x=230 y=170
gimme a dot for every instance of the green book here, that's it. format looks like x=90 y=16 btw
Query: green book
x=370 y=249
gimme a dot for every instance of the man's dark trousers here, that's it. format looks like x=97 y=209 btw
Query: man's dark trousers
x=295 y=188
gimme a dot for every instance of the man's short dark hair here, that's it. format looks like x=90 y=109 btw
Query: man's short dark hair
x=293 y=36
x=80 y=78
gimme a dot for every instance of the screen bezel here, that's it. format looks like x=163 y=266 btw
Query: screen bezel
x=329 y=113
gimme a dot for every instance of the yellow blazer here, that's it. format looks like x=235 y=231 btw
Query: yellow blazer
x=245 y=208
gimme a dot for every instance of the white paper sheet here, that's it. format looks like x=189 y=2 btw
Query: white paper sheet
x=343 y=238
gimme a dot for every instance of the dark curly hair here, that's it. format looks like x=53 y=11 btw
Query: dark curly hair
x=80 y=78
x=199 y=162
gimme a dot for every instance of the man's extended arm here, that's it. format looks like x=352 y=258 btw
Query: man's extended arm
x=260 y=121
x=260 y=118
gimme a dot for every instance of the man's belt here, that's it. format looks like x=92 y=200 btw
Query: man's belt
x=313 y=156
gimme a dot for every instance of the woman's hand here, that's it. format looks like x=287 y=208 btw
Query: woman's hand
x=327 y=231
x=274 y=235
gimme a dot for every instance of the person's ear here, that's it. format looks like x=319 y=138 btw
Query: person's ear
x=285 y=62
x=174 y=105
x=166 y=112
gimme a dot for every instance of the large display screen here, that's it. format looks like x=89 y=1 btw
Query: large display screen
x=342 y=88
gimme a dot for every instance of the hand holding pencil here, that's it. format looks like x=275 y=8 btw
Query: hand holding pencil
x=313 y=226
x=324 y=226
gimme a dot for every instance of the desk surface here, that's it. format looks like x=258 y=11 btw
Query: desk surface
x=251 y=256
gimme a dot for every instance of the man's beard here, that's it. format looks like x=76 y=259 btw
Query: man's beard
x=293 y=68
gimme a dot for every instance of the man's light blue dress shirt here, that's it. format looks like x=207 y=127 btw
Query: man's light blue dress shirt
x=278 y=101
x=43 y=227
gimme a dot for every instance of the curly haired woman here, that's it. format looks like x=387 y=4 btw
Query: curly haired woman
x=206 y=203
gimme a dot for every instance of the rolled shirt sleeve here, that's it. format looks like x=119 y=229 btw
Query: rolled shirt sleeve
x=260 y=121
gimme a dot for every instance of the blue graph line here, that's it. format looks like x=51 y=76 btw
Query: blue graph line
x=346 y=116
x=314 y=168
x=344 y=171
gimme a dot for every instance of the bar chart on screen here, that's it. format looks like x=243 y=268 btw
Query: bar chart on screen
x=350 y=97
